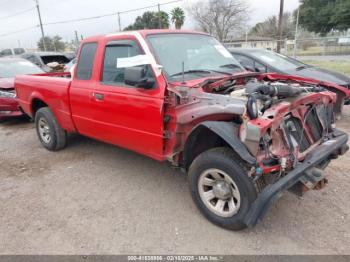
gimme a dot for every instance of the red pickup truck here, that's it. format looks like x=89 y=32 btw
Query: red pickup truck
x=180 y=96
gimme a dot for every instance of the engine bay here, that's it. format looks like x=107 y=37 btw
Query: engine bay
x=260 y=94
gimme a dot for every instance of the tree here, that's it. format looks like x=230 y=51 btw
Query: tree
x=52 y=43
x=178 y=17
x=324 y=16
x=219 y=17
x=58 y=44
x=269 y=27
x=150 y=20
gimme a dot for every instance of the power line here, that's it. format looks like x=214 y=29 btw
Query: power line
x=150 y=6
x=18 y=13
x=109 y=14
x=18 y=31
x=3 y=3
x=79 y=19
x=85 y=18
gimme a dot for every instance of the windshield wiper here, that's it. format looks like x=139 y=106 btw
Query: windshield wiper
x=231 y=66
x=205 y=71
x=193 y=71
x=302 y=67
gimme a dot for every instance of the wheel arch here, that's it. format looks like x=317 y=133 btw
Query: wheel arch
x=36 y=104
x=210 y=134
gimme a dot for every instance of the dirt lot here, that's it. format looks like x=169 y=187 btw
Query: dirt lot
x=93 y=198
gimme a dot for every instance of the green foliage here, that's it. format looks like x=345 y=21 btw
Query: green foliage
x=150 y=20
x=178 y=17
x=322 y=16
x=52 y=43
x=269 y=28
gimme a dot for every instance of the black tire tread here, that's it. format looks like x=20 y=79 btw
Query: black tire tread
x=60 y=135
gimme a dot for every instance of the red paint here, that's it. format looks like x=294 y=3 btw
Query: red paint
x=8 y=104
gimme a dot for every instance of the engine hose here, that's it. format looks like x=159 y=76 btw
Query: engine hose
x=278 y=90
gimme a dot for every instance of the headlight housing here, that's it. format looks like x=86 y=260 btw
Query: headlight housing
x=8 y=94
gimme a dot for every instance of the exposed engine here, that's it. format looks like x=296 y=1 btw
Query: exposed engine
x=261 y=95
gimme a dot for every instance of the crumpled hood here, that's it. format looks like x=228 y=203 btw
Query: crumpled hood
x=7 y=83
x=198 y=81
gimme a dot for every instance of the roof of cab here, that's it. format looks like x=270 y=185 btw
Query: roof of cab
x=144 y=33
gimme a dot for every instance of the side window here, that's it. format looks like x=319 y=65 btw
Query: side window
x=86 y=61
x=246 y=62
x=115 y=50
x=34 y=60
x=6 y=52
x=260 y=67
x=18 y=51
x=114 y=73
x=30 y=58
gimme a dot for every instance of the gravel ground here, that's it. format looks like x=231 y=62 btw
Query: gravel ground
x=93 y=198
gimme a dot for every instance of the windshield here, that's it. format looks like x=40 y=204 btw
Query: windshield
x=277 y=60
x=193 y=51
x=10 y=68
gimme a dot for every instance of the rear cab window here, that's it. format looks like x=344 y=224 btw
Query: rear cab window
x=86 y=61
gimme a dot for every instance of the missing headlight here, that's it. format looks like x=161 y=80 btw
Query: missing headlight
x=7 y=94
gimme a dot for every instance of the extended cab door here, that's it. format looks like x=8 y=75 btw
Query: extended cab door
x=124 y=114
x=81 y=88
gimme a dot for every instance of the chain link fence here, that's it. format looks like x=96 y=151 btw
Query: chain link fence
x=301 y=47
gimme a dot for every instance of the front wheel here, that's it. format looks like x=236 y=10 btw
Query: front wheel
x=51 y=135
x=221 y=188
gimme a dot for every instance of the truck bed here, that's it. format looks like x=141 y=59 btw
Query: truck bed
x=51 y=89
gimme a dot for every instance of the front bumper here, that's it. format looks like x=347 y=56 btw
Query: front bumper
x=329 y=149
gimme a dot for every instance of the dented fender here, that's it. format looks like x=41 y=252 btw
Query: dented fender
x=228 y=131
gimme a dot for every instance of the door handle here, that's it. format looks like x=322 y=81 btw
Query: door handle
x=98 y=96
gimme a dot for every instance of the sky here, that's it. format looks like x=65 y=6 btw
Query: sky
x=58 y=10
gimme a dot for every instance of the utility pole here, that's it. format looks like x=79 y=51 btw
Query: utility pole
x=279 y=30
x=296 y=34
x=119 y=23
x=41 y=24
x=159 y=18
x=76 y=38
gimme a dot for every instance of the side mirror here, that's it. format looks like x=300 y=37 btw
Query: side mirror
x=136 y=76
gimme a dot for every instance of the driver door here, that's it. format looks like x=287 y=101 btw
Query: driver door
x=127 y=115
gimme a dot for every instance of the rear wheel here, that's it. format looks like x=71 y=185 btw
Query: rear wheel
x=221 y=188
x=50 y=134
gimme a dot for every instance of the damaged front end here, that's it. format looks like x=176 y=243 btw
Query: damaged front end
x=290 y=130
x=283 y=131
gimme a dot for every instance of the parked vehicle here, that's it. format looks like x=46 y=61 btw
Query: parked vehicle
x=70 y=55
x=265 y=61
x=48 y=61
x=12 y=51
x=181 y=97
x=69 y=66
x=9 y=68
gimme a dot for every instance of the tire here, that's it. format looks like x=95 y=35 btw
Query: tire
x=205 y=168
x=50 y=133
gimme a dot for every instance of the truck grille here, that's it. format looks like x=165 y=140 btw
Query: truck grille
x=316 y=119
